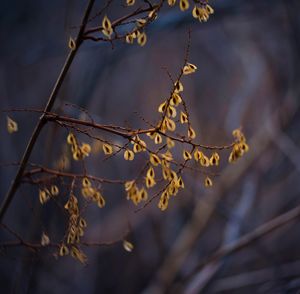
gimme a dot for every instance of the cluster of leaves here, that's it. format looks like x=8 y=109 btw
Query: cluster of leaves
x=75 y=231
x=201 y=11
x=164 y=165
x=78 y=151
x=46 y=194
x=163 y=158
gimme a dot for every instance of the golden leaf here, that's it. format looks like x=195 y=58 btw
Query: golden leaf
x=12 y=126
x=107 y=149
x=128 y=246
x=184 y=5
x=54 y=190
x=72 y=44
x=142 y=39
x=130 y=2
x=189 y=68
x=208 y=182
x=128 y=155
x=187 y=155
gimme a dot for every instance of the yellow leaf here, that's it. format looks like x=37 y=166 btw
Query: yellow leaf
x=184 y=5
x=101 y=201
x=178 y=87
x=77 y=155
x=196 y=12
x=157 y=139
x=128 y=246
x=208 y=182
x=72 y=44
x=106 y=27
x=175 y=99
x=63 y=250
x=198 y=155
x=129 y=185
x=128 y=155
x=171 y=111
x=203 y=14
x=162 y=107
x=130 y=2
x=187 y=155
x=150 y=182
x=244 y=146
x=78 y=254
x=71 y=139
x=82 y=223
x=209 y=9
x=141 y=22
x=170 y=124
x=191 y=133
x=86 y=149
x=143 y=194
x=204 y=161
x=171 y=2
x=54 y=190
x=189 y=68
x=86 y=182
x=106 y=23
x=163 y=202
x=12 y=126
x=43 y=196
x=107 y=149
x=180 y=183
x=142 y=39
x=150 y=172
x=214 y=159
x=154 y=159
x=183 y=117
x=129 y=39
x=152 y=14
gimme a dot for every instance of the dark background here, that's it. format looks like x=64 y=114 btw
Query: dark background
x=248 y=75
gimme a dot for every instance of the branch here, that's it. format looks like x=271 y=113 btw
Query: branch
x=121 y=20
x=58 y=173
x=42 y=121
x=37 y=246
x=130 y=133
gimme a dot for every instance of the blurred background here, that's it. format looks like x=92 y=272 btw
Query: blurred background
x=248 y=75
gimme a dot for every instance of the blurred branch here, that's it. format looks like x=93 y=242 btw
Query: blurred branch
x=255 y=277
x=231 y=234
x=289 y=148
x=256 y=234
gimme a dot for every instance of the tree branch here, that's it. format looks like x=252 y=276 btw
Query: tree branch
x=51 y=100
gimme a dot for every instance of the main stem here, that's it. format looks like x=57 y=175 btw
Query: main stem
x=42 y=121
